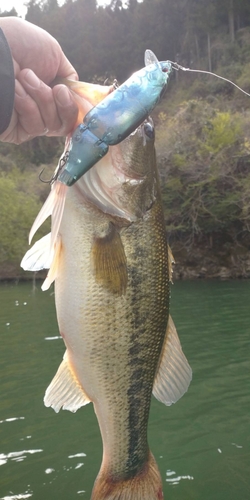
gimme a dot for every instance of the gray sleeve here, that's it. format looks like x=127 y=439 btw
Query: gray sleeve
x=7 y=83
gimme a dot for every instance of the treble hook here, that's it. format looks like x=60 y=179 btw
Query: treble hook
x=54 y=177
x=42 y=180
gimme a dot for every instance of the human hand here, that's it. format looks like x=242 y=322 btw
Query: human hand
x=38 y=59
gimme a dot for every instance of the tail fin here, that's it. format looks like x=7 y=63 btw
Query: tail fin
x=146 y=485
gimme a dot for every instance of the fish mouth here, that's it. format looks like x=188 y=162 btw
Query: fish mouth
x=122 y=177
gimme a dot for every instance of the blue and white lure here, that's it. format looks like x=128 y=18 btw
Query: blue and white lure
x=115 y=117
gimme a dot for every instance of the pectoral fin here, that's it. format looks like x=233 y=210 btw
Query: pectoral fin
x=171 y=261
x=109 y=262
x=53 y=271
x=65 y=391
x=43 y=256
x=54 y=206
x=39 y=256
x=174 y=373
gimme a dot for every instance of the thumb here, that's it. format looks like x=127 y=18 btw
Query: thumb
x=66 y=107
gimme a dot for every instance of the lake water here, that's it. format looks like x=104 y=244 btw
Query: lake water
x=201 y=444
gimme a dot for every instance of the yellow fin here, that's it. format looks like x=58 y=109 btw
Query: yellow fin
x=109 y=262
x=171 y=261
x=85 y=93
x=53 y=271
x=174 y=373
x=90 y=91
x=65 y=391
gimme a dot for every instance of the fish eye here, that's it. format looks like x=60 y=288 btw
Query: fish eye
x=149 y=130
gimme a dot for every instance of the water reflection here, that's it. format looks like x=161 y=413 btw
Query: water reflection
x=18 y=496
x=54 y=338
x=175 y=479
x=17 y=456
x=11 y=419
x=201 y=444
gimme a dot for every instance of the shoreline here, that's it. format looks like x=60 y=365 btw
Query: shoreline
x=200 y=262
x=180 y=273
x=193 y=261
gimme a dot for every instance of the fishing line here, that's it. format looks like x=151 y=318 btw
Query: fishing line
x=177 y=66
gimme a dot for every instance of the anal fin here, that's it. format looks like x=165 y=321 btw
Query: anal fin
x=65 y=391
x=174 y=373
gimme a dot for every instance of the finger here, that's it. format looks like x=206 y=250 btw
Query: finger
x=66 y=107
x=43 y=97
x=10 y=134
x=15 y=133
x=29 y=115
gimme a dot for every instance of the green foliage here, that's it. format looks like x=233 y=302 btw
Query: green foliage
x=205 y=172
x=36 y=152
x=17 y=214
x=220 y=132
x=244 y=79
x=21 y=196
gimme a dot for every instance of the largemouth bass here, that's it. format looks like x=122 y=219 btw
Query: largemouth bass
x=108 y=255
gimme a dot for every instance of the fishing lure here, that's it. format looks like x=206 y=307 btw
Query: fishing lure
x=115 y=117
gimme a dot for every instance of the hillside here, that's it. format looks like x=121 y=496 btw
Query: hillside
x=202 y=131
x=203 y=148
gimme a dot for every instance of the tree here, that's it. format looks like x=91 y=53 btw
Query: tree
x=7 y=13
x=34 y=12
